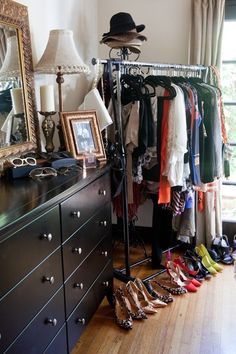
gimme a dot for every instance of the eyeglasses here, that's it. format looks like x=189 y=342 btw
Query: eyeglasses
x=43 y=172
x=65 y=170
x=18 y=161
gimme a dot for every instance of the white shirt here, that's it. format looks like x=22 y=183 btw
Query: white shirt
x=177 y=140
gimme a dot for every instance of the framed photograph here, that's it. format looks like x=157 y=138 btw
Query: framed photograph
x=82 y=134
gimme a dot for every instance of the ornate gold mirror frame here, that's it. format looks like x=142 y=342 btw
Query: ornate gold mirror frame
x=15 y=16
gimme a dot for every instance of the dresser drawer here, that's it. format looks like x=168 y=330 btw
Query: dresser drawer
x=104 y=284
x=59 y=343
x=37 y=336
x=19 y=307
x=77 y=285
x=85 y=239
x=83 y=204
x=78 y=320
x=28 y=247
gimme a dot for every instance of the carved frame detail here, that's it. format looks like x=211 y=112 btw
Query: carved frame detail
x=16 y=15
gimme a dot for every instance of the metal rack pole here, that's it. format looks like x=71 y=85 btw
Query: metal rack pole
x=151 y=65
x=124 y=274
x=124 y=182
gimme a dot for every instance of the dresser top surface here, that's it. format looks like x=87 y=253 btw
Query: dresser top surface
x=20 y=197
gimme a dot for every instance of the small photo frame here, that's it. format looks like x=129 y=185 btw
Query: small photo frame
x=82 y=134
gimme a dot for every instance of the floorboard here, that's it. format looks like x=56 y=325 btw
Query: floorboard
x=195 y=323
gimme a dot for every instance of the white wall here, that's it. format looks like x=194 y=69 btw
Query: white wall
x=167 y=27
x=81 y=17
x=167 y=30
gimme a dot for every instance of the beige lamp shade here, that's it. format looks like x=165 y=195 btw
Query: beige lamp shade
x=10 y=66
x=61 y=52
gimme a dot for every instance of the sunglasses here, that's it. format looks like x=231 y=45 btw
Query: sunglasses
x=43 y=172
x=65 y=170
x=18 y=161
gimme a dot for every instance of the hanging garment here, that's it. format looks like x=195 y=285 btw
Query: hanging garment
x=177 y=140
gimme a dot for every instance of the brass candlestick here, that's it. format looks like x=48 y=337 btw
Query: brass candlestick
x=48 y=127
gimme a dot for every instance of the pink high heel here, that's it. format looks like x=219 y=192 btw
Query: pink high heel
x=174 y=272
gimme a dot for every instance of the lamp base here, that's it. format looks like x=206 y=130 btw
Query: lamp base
x=48 y=127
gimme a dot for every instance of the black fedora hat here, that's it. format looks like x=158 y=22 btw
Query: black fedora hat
x=122 y=22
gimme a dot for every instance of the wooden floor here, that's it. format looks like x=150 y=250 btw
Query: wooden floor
x=195 y=323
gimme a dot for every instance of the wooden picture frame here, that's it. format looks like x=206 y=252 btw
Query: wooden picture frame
x=82 y=134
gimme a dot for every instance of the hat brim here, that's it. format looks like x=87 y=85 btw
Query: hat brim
x=138 y=28
x=133 y=46
x=127 y=36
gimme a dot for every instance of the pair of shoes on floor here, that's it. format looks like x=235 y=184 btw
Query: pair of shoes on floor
x=133 y=301
x=122 y=313
x=158 y=292
x=233 y=254
x=143 y=299
x=194 y=262
x=179 y=278
x=220 y=245
x=212 y=266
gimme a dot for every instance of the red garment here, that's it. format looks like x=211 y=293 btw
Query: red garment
x=201 y=201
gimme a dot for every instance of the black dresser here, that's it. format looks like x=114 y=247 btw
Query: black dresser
x=55 y=259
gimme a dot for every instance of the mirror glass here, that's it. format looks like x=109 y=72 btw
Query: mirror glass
x=17 y=112
x=12 y=112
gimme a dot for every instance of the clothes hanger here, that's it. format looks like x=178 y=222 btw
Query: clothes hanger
x=163 y=81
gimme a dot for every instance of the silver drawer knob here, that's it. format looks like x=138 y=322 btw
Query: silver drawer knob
x=81 y=320
x=102 y=192
x=103 y=223
x=105 y=253
x=47 y=237
x=76 y=214
x=51 y=280
x=77 y=250
x=105 y=283
x=52 y=321
x=79 y=285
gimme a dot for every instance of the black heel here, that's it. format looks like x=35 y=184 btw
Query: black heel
x=194 y=261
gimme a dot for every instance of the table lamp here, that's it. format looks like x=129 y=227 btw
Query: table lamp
x=11 y=65
x=61 y=57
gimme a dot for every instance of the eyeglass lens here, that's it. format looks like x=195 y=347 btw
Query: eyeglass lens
x=18 y=161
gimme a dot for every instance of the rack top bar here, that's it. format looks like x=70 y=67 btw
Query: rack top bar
x=144 y=64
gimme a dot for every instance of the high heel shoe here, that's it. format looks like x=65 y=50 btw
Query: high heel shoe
x=123 y=318
x=135 y=309
x=148 y=297
x=185 y=279
x=171 y=287
x=139 y=299
x=181 y=263
x=175 y=273
x=202 y=251
x=158 y=292
x=220 y=245
x=195 y=261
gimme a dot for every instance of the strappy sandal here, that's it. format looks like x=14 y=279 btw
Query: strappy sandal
x=221 y=245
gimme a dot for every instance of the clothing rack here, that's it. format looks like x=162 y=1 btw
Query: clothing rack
x=119 y=66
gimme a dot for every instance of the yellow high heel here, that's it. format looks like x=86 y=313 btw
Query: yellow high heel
x=206 y=258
